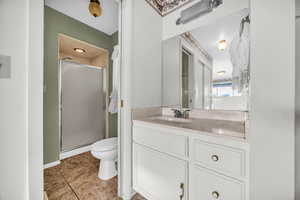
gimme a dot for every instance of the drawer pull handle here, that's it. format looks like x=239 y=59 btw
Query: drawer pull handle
x=215 y=195
x=215 y=158
x=182 y=191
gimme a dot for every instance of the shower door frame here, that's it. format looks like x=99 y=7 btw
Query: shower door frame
x=105 y=90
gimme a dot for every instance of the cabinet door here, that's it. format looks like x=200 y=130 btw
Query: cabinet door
x=158 y=176
x=208 y=185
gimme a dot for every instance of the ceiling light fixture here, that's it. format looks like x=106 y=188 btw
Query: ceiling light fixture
x=95 y=8
x=221 y=72
x=79 y=50
x=222 y=45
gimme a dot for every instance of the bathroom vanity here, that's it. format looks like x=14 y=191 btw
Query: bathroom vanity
x=206 y=155
x=203 y=155
x=190 y=66
x=190 y=159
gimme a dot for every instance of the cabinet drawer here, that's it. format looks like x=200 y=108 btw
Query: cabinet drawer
x=207 y=185
x=161 y=140
x=225 y=159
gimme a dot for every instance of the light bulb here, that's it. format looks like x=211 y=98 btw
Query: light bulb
x=79 y=50
x=222 y=45
x=95 y=8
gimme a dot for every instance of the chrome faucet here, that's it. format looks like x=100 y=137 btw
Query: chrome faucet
x=181 y=113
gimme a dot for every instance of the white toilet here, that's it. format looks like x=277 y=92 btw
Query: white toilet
x=106 y=151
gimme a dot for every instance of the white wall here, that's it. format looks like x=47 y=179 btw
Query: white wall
x=171 y=69
x=13 y=106
x=21 y=100
x=272 y=108
x=297 y=110
x=170 y=29
x=141 y=75
x=230 y=103
x=147 y=59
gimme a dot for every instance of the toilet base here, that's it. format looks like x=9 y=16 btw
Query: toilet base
x=107 y=169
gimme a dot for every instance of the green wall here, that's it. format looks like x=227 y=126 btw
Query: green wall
x=56 y=23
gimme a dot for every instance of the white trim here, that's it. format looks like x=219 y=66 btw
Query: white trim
x=107 y=94
x=74 y=152
x=120 y=175
x=82 y=65
x=52 y=164
x=124 y=131
x=120 y=147
x=129 y=197
x=34 y=95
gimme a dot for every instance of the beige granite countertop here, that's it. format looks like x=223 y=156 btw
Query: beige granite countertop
x=223 y=128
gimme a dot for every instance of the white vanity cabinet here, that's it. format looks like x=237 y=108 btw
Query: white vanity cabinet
x=178 y=164
x=158 y=176
x=160 y=170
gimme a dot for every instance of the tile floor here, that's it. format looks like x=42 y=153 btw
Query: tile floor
x=76 y=179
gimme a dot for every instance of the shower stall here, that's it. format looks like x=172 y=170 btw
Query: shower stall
x=82 y=105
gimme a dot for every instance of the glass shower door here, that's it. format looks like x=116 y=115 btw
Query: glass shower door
x=82 y=105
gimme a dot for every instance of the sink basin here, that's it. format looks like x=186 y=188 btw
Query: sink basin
x=172 y=119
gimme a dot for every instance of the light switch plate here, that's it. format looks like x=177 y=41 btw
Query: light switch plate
x=5 y=67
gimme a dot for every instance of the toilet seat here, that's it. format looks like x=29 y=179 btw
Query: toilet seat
x=105 y=145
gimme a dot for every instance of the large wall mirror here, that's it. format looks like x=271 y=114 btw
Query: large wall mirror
x=208 y=67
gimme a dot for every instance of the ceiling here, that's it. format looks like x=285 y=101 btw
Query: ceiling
x=164 y=7
x=78 y=9
x=208 y=37
x=68 y=44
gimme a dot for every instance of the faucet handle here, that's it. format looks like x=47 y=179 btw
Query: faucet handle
x=177 y=113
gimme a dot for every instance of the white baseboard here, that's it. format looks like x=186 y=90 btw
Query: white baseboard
x=74 y=152
x=128 y=197
x=67 y=155
x=52 y=164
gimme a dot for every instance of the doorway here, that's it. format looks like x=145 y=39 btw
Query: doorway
x=82 y=105
x=83 y=88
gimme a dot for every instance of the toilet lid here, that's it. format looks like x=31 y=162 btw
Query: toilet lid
x=105 y=145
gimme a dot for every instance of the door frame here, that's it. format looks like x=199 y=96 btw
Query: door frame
x=125 y=189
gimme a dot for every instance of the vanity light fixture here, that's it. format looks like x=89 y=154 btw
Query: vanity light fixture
x=95 y=8
x=198 y=10
x=222 y=45
x=221 y=72
x=79 y=50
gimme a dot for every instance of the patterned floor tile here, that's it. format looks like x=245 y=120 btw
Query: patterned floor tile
x=76 y=178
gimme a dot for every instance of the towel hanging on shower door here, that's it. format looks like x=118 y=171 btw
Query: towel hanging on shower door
x=113 y=105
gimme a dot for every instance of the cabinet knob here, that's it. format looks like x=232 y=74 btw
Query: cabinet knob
x=215 y=158
x=215 y=195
